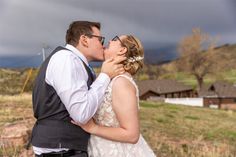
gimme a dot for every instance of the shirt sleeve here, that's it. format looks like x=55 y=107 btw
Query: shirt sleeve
x=66 y=73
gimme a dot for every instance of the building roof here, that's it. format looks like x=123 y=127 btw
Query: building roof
x=219 y=89
x=161 y=86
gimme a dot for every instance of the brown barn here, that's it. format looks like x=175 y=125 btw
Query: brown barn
x=221 y=95
x=164 y=89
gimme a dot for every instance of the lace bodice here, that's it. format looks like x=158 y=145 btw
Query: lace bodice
x=105 y=115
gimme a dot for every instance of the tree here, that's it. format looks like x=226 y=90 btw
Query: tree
x=196 y=55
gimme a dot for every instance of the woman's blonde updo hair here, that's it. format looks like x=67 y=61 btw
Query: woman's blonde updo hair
x=134 y=54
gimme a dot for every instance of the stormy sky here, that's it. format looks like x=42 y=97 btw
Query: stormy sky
x=28 y=25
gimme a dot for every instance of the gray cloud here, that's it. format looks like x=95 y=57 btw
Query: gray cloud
x=27 y=24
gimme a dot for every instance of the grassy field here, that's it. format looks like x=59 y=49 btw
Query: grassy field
x=171 y=131
x=14 y=109
x=12 y=81
x=183 y=131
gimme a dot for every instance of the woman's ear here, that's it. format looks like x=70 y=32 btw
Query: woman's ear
x=122 y=51
x=83 y=40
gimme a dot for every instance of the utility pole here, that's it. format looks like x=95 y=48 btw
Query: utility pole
x=45 y=46
x=43 y=53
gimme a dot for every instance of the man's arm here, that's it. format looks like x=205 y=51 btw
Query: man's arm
x=66 y=73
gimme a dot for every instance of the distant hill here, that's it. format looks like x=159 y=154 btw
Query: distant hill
x=155 y=53
x=225 y=56
x=20 y=61
x=158 y=54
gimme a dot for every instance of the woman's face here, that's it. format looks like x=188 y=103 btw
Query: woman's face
x=114 y=47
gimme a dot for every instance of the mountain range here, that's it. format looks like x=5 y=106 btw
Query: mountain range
x=154 y=54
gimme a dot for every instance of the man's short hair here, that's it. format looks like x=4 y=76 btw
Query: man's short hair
x=78 y=28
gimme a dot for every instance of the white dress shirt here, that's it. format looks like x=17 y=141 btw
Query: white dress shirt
x=67 y=75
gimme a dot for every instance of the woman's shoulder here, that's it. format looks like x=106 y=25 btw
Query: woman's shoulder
x=123 y=78
x=123 y=81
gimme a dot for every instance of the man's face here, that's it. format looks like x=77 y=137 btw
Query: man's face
x=95 y=47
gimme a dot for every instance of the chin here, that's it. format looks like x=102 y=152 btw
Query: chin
x=108 y=57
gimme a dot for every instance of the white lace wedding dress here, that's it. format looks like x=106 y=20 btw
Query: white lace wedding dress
x=100 y=147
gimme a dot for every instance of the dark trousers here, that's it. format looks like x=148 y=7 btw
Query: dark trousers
x=70 y=153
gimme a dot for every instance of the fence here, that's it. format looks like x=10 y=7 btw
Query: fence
x=185 y=101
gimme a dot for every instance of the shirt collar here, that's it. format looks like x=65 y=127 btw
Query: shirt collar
x=77 y=53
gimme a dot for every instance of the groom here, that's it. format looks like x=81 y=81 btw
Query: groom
x=67 y=89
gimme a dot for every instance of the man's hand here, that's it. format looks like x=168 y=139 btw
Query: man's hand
x=89 y=127
x=113 y=67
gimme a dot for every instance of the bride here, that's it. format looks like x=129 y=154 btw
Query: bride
x=115 y=127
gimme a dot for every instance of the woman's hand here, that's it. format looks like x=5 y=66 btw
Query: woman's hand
x=89 y=127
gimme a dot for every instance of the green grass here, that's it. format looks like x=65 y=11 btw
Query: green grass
x=192 y=117
x=211 y=78
x=188 y=131
x=230 y=75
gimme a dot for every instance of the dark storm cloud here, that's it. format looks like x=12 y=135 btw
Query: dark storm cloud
x=27 y=24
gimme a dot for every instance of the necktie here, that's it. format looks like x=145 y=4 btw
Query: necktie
x=92 y=71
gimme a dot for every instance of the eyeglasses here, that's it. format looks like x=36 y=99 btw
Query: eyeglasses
x=100 y=38
x=117 y=38
x=122 y=44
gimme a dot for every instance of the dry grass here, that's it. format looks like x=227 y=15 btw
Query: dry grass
x=14 y=109
x=12 y=80
x=10 y=151
x=23 y=99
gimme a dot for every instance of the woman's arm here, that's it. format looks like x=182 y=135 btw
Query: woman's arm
x=125 y=106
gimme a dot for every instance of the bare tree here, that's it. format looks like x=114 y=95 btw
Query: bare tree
x=196 y=55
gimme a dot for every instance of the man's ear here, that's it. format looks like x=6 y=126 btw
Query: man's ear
x=84 y=40
x=122 y=51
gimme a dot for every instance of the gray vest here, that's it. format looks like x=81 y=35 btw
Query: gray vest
x=53 y=128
